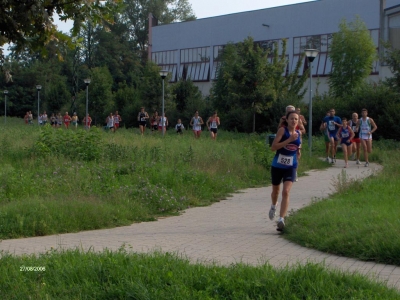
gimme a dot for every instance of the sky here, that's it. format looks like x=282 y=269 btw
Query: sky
x=211 y=8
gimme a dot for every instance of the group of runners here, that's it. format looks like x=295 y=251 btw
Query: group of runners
x=160 y=123
x=351 y=134
x=58 y=120
x=113 y=121
x=287 y=144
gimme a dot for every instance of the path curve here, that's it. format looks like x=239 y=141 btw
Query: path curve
x=229 y=231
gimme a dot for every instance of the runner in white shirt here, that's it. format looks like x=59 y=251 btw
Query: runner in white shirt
x=366 y=126
x=212 y=124
x=110 y=122
x=196 y=123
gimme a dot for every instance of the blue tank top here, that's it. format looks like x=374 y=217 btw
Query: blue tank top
x=345 y=134
x=286 y=158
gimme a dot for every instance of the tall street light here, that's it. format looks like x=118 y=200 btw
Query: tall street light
x=5 y=106
x=311 y=55
x=87 y=81
x=38 y=88
x=163 y=74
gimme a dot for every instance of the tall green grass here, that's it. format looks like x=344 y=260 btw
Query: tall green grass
x=57 y=180
x=362 y=219
x=74 y=274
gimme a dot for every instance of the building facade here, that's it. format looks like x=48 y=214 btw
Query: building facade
x=192 y=49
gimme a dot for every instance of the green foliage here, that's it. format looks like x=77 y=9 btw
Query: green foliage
x=74 y=144
x=101 y=100
x=136 y=13
x=380 y=100
x=31 y=26
x=59 y=180
x=352 y=53
x=392 y=59
x=248 y=83
x=343 y=225
x=151 y=87
x=188 y=99
x=123 y=274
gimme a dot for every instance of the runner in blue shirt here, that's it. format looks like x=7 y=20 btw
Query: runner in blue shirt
x=332 y=124
x=287 y=144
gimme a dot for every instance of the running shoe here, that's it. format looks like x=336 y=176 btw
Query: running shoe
x=367 y=164
x=353 y=156
x=272 y=213
x=334 y=159
x=296 y=178
x=280 y=225
x=327 y=159
x=358 y=162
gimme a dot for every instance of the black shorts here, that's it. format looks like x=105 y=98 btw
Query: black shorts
x=278 y=175
x=215 y=130
x=347 y=143
x=154 y=127
x=142 y=123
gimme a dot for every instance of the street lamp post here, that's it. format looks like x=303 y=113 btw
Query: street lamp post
x=87 y=81
x=5 y=106
x=38 y=88
x=311 y=55
x=163 y=74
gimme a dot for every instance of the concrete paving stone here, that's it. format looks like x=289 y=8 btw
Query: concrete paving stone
x=233 y=230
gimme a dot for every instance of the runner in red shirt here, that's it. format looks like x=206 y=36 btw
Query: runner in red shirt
x=87 y=121
x=117 y=120
x=67 y=120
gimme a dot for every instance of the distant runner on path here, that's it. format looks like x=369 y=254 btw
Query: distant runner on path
x=366 y=126
x=287 y=145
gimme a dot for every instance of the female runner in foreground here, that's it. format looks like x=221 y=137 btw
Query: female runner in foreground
x=287 y=145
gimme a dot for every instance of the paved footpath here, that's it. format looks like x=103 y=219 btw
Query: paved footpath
x=232 y=230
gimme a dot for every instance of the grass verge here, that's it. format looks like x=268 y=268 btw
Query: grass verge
x=74 y=274
x=362 y=219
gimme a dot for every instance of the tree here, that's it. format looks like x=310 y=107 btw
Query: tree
x=101 y=101
x=392 y=59
x=136 y=13
x=30 y=24
x=187 y=98
x=352 y=53
x=250 y=79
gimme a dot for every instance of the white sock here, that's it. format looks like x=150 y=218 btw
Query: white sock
x=281 y=219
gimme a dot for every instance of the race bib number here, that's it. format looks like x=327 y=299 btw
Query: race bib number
x=142 y=119
x=285 y=160
x=331 y=125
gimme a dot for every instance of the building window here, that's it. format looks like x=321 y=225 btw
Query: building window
x=167 y=60
x=195 y=64
x=322 y=64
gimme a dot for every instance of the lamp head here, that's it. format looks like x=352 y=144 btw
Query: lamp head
x=38 y=87
x=87 y=81
x=5 y=92
x=163 y=74
x=311 y=54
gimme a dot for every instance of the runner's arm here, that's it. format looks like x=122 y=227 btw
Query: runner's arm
x=278 y=145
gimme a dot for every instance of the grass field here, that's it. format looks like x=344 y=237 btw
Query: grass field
x=122 y=275
x=56 y=181
x=362 y=219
